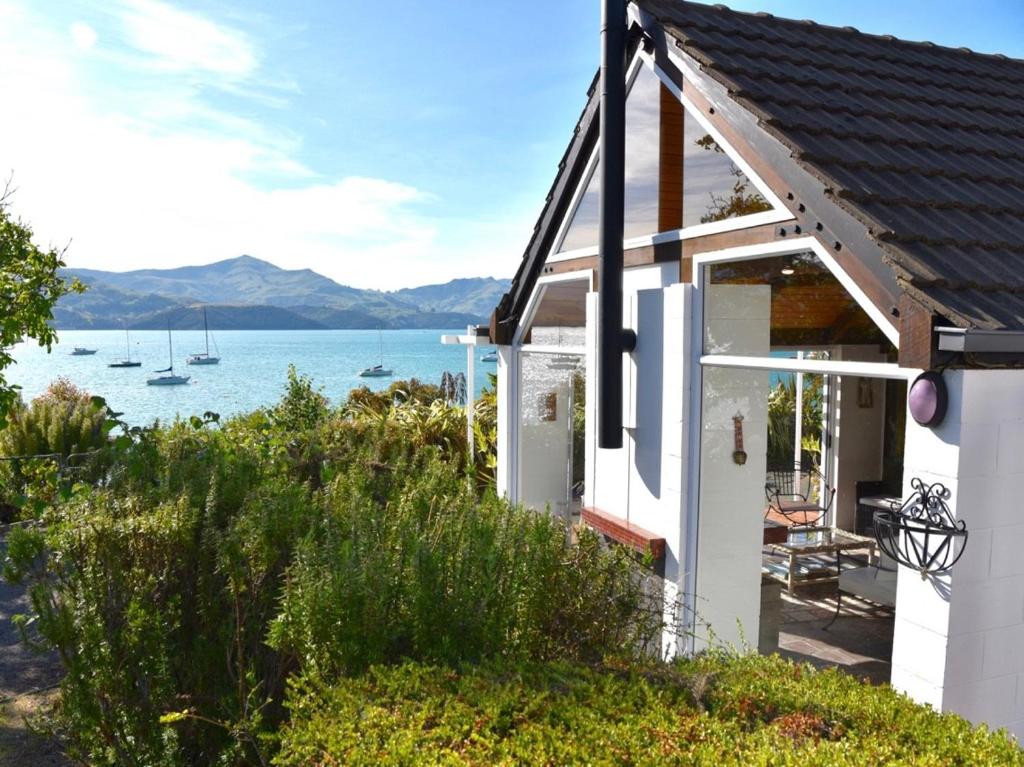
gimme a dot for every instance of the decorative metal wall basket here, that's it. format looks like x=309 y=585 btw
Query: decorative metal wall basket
x=922 y=533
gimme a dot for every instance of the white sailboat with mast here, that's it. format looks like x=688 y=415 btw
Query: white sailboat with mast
x=204 y=358
x=378 y=371
x=127 y=362
x=170 y=379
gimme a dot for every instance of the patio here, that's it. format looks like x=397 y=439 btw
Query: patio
x=859 y=642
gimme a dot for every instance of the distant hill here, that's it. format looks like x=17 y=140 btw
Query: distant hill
x=247 y=293
x=476 y=296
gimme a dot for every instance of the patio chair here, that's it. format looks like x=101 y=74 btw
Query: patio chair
x=797 y=494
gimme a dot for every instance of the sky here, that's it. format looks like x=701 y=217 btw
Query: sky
x=385 y=145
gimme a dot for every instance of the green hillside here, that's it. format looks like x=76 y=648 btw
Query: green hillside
x=246 y=293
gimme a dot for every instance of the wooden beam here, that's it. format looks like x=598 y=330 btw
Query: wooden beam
x=670 y=163
x=807 y=222
x=918 y=347
x=623 y=531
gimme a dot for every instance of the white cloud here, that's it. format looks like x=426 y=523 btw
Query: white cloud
x=144 y=173
x=181 y=41
x=83 y=36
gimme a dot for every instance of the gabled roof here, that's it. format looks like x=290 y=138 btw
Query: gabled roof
x=921 y=143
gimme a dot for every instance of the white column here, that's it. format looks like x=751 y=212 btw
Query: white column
x=959 y=637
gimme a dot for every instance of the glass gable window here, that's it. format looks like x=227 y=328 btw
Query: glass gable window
x=676 y=173
x=778 y=304
x=641 y=192
x=714 y=189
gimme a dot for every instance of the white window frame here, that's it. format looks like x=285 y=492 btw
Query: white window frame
x=536 y=297
x=698 y=361
x=777 y=214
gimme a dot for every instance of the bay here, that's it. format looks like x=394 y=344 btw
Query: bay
x=252 y=372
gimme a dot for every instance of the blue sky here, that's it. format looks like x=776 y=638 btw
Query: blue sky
x=382 y=144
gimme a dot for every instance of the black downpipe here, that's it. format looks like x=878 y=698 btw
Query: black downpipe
x=612 y=340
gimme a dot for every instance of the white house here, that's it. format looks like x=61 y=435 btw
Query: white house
x=804 y=206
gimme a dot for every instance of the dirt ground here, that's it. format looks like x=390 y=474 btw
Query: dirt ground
x=28 y=682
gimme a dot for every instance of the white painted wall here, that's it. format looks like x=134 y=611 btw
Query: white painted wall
x=730 y=521
x=644 y=482
x=959 y=638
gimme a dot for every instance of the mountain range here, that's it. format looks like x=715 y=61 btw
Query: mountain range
x=246 y=293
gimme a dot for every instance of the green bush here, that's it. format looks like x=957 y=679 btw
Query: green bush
x=716 y=710
x=214 y=561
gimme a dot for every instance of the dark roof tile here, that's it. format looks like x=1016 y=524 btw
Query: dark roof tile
x=924 y=144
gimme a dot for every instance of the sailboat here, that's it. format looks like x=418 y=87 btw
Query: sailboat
x=170 y=379
x=127 y=362
x=204 y=358
x=377 y=371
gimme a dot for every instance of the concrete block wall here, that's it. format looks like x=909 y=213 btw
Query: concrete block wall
x=730 y=526
x=644 y=482
x=959 y=638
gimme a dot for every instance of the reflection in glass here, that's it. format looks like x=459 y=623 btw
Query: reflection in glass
x=641 y=192
x=794 y=298
x=551 y=433
x=714 y=189
x=561 y=315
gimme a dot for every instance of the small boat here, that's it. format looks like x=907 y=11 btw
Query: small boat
x=127 y=362
x=204 y=358
x=377 y=371
x=491 y=356
x=81 y=351
x=170 y=379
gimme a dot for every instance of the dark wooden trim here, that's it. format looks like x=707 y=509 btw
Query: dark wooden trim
x=918 y=346
x=670 y=162
x=623 y=531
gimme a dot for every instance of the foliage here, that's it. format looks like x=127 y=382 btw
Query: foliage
x=741 y=200
x=714 y=710
x=782 y=420
x=60 y=437
x=216 y=560
x=29 y=287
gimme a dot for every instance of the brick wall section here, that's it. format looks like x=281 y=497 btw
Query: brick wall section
x=624 y=532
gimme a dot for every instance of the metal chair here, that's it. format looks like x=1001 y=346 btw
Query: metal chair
x=798 y=494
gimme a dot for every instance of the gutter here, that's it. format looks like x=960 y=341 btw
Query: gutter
x=968 y=340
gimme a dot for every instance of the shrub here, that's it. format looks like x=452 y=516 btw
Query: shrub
x=216 y=560
x=714 y=710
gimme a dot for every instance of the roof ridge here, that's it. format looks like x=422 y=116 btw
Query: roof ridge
x=832 y=29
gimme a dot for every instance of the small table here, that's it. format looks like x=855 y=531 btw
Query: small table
x=809 y=541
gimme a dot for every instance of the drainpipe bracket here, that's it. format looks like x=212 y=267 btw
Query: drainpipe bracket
x=628 y=340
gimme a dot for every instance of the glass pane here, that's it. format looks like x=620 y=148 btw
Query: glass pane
x=780 y=304
x=641 y=191
x=714 y=189
x=561 y=315
x=551 y=417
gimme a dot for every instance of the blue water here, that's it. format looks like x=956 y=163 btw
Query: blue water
x=252 y=371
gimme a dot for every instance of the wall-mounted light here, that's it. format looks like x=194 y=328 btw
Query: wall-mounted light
x=928 y=399
x=788 y=271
